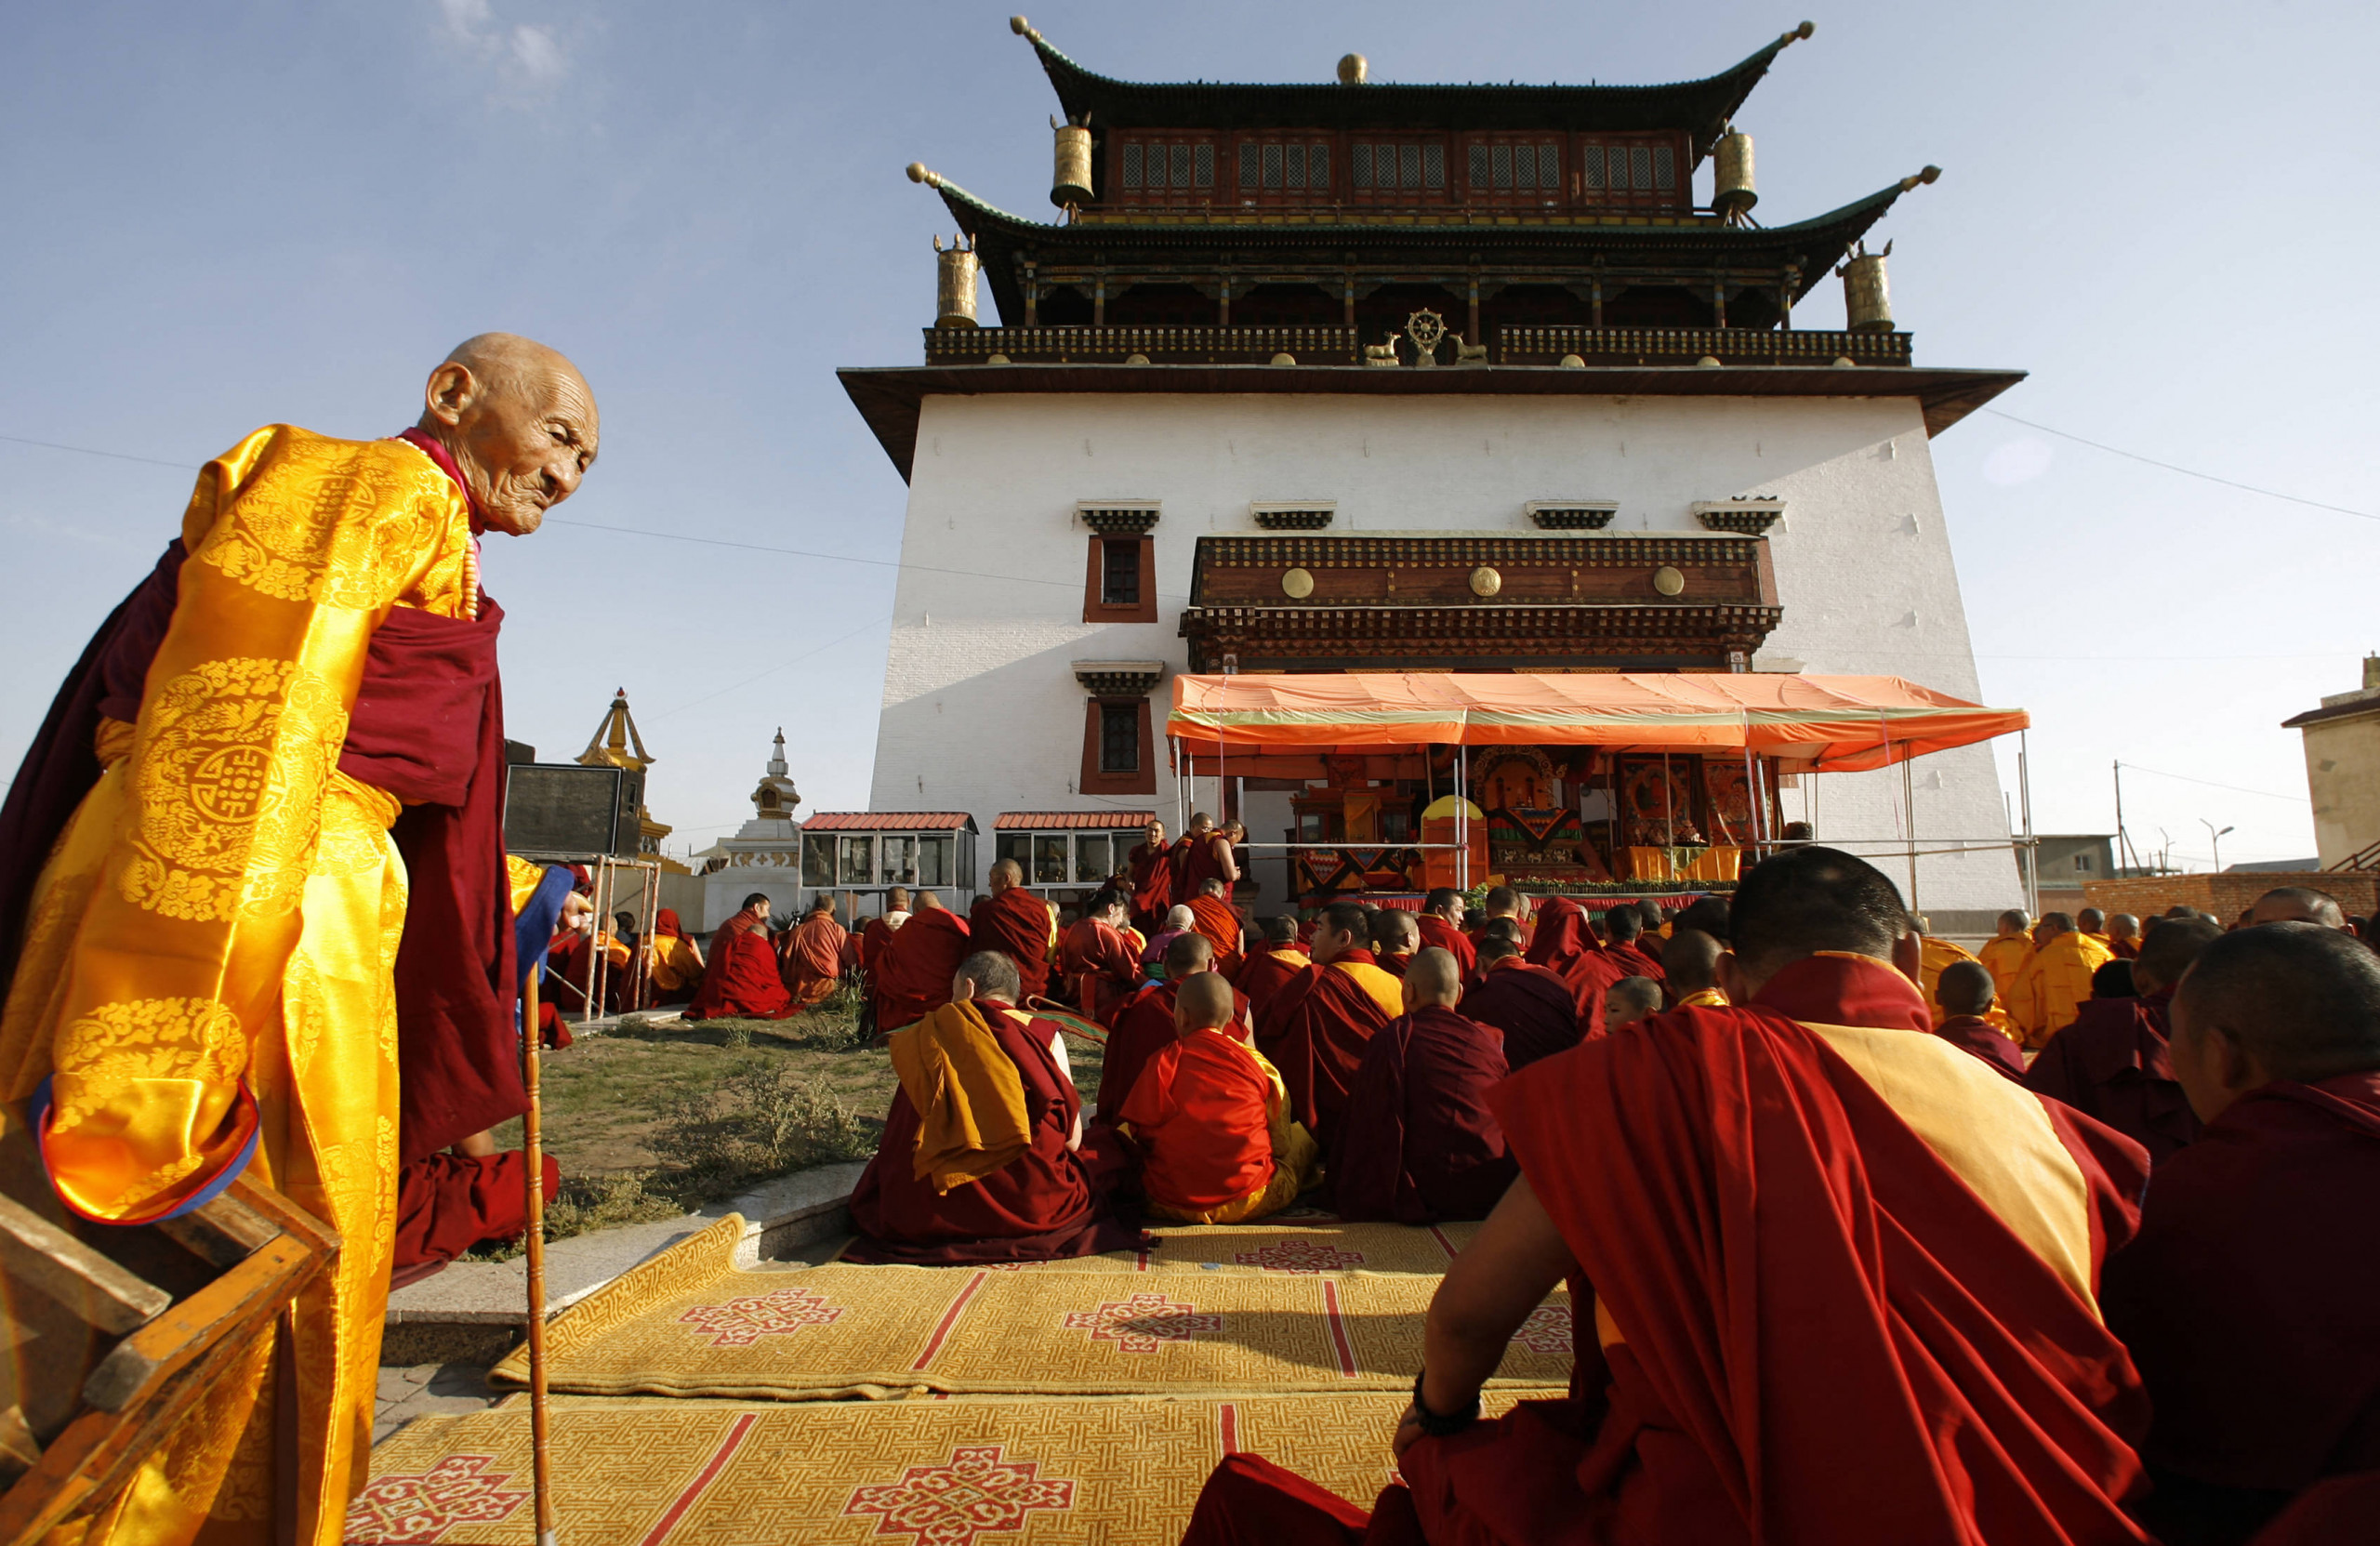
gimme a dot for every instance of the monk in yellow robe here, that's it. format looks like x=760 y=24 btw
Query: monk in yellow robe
x=2004 y=954
x=207 y=967
x=1934 y=955
x=2056 y=982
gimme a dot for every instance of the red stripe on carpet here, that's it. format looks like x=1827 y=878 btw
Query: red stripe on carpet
x=1141 y=1262
x=736 y=1433
x=1447 y=1246
x=1229 y=1417
x=1338 y=1329
x=949 y=1319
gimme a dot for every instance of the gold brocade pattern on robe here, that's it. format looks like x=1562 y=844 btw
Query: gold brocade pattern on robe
x=225 y=906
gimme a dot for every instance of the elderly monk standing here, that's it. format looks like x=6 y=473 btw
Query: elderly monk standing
x=1836 y=1281
x=1019 y=924
x=743 y=982
x=252 y=878
x=982 y=1157
x=2251 y=1296
x=913 y=970
x=1418 y=1144
x=1212 y=914
x=1315 y=1027
x=813 y=955
x=2056 y=981
x=1531 y=1005
x=2112 y=1063
x=1099 y=960
x=1150 y=869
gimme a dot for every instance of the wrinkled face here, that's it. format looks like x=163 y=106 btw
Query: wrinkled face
x=522 y=451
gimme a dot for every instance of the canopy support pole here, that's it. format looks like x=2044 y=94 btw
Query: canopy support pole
x=2032 y=854
x=1462 y=815
x=1909 y=805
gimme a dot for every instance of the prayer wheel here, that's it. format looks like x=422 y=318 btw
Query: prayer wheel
x=1732 y=194
x=1866 y=298
x=1071 y=183
x=955 y=289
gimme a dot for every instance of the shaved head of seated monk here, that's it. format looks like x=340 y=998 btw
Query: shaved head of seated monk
x=1394 y=932
x=1433 y=981
x=2247 y=1297
x=2090 y=921
x=1497 y=947
x=1189 y=956
x=986 y=975
x=1416 y=1144
x=2298 y=905
x=2113 y=980
x=1007 y=875
x=1204 y=1003
x=1210 y=886
x=1622 y=924
x=1690 y=961
x=1965 y=991
x=928 y=902
x=1507 y=928
x=2016 y=921
x=1964 y=988
x=520 y=422
x=2123 y=926
x=1280 y=928
x=822 y=905
x=1180 y=917
x=758 y=904
x=896 y=899
x=1501 y=901
x=1706 y=915
x=2051 y=925
x=1629 y=1000
x=1447 y=903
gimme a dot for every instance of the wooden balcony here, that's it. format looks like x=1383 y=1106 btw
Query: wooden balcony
x=1686 y=345
x=1337 y=346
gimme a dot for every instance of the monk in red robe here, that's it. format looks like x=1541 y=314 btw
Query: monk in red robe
x=813 y=962
x=1207 y=855
x=1212 y=914
x=1017 y=922
x=1530 y=1005
x=1416 y=1144
x=1965 y=991
x=913 y=973
x=1211 y=1120
x=2251 y=1296
x=1098 y=961
x=2124 y=936
x=1144 y=1021
x=1690 y=968
x=742 y=981
x=1812 y=1307
x=1273 y=957
x=1150 y=869
x=1396 y=935
x=880 y=930
x=2112 y=1063
x=1316 y=1026
x=1566 y=943
x=1441 y=929
x=1624 y=929
x=1500 y=904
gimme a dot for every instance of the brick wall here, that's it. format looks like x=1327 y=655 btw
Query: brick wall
x=2226 y=895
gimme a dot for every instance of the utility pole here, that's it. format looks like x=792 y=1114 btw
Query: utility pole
x=2215 y=841
x=2123 y=842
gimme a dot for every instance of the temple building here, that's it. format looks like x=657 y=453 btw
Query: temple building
x=617 y=744
x=765 y=854
x=1362 y=376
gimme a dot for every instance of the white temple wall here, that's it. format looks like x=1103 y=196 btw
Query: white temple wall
x=981 y=710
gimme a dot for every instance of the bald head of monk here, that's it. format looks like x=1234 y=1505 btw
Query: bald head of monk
x=1690 y=960
x=1280 y=928
x=928 y=902
x=1188 y=955
x=1006 y=876
x=1623 y=924
x=1210 y=886
x=2290 y=1001
x=1395 y=931
x=1204 y=1003
x=2298 y=905
x=1433 y=980
x=986 y=974
x=1706 y=915
x=2051 y=925
x=2013 y=922
x=1965 y=987
x=2090 y=921
x=897 y=900
x=519 y=421
x=1803 y=901
x=1497 y=947
x=1180 y=917
x=2168 y=951
x=1201 y=823
x=1629 y=1000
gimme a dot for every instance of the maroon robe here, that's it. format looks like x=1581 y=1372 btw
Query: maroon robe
x=1313 y=1031
x=1015 y=923
x=1045 y=1204
x=2111 y=1064
x=1416 y=1144
x=1562 y=936
x=1144 y=1024
x=1973 y=1033
x=1532 y=1006
x=1394 y=964
x=1266 y=969
x=1438 y=934
x=1100 y=967
x=2251 y=1297
x=742 y=981
x=1198 y=865
x=1151 y=875
x=448 y=1203
x=913 y=970
x=1635 y=961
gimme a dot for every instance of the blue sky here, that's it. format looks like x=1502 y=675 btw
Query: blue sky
x=227 y=215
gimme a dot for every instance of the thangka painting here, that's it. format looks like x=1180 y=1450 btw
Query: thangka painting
x=1656 y=801
x=1727 y=797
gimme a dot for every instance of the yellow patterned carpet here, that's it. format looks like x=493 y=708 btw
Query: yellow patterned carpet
x=929 y=1473
x=1281 y=1311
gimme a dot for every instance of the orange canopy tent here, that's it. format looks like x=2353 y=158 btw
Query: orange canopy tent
x=1829 y=724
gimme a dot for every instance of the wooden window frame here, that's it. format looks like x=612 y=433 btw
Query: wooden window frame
x=1095 y=610
x=1091 y=781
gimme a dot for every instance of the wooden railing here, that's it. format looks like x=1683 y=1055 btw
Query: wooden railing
x=1674 y=346
x=1337 y=346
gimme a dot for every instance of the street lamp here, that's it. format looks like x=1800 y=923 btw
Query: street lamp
x=2215 y=841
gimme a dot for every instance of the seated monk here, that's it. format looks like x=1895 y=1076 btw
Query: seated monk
x=1623 y=935
x=455 y=1199
x=1690 y=965
x=878 y=932
x=673 y=963
x=1418 y=1144
x=813 y=955
x=2056 y=980
x=1629 y=1001
x=1273 y=957
x=2112 y=1063
x=2124 y=936
x=1566 y=943
x=914 y=969
x=1396 y=935
x=1212 y=914
x=742 y=981
x=1441 y=926
x=2005 y=954
x=1501 y=905
x=1018 y=924
x=1144 y=1021
x=2094 y=922
x=1101 y=962
x=982 y=1157
x=1802 y=1262
x=1962 y=998
x=1530 y=1005
x=1178 y=921
x=2250 y=1296
x=1314 y=1029
x=1211 y=1119
x=1149 y=869
x=1936 y=953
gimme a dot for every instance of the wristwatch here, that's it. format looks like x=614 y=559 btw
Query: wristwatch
x=1431 y=1422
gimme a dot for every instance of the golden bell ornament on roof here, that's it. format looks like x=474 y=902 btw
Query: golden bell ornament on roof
x=1070 y=183
x=1867 y=295
x=1732 y=194
x=957 y=268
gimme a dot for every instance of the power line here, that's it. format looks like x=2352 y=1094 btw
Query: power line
x=790 y=660
x=2264 y=794
x=87 y=451
x=2185 y=471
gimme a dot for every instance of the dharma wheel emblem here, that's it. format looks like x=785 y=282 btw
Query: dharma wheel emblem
x=1297 y=584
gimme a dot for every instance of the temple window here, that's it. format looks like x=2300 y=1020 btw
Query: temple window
x=1166 y=168
x=856 y=864
x=1398 y=166
x=1500 y=168
x=817 y=861
x=1121 y=585
x=1119 y=576
x=1119 y=738
x=1630 y=171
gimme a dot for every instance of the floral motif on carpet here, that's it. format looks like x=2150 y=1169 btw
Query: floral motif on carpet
x=1143 y=1322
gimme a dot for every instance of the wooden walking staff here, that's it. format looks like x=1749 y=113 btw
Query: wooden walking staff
x=533 y=1152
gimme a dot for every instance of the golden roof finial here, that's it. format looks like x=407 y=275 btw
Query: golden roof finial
x=617 y=743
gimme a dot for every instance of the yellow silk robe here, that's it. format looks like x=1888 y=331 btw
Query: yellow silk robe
x=211 y=944
x=2055 y=984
